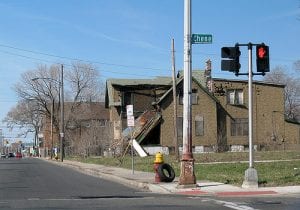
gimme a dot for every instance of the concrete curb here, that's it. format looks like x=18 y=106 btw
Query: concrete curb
x=143 y=181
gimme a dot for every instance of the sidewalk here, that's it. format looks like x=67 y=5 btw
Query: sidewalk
x=145 y=181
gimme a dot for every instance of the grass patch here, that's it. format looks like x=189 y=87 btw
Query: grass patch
x=279 y=173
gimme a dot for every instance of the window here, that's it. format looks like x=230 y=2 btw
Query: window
x=235 y=97
x=199 y=125
x=179 y=126
x=127 y=100
x=194 y=97
x=239 y=127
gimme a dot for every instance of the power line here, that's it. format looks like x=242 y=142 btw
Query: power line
x=98 y=62
x=68 y=65
x=28 y=57
x=80 y=60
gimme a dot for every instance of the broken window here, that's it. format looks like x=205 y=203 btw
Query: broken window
x=199 y=125
x=127 y=99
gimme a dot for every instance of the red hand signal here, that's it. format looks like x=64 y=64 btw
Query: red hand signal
x=261 y=52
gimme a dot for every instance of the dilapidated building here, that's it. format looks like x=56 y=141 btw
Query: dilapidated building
x=219 y=113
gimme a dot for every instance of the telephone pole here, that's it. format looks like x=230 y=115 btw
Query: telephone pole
x=175 y=103
x=62 y=127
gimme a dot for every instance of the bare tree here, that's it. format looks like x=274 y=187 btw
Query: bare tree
x=24 y=117
x=42 y=85
x=85 y=83
x=297 y=65
x=279 y=75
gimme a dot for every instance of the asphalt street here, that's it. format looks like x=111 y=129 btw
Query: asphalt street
x=31 y=183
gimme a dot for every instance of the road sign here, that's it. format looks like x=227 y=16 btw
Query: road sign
x=130 y=121
x=201 y=39
x=129 y=109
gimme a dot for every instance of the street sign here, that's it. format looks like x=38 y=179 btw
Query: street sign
x=201 y=39
x=130 y=121
x=129 y=109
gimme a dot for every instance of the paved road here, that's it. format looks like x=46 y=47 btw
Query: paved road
x=35 y=184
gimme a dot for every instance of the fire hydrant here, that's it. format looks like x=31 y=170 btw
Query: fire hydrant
x=157 y=162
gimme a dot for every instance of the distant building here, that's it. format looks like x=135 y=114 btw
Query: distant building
x=87 y=129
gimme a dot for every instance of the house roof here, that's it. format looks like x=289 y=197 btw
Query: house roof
x=179 y=80
x=136 y=83
x=199 y=75
x=246 y=81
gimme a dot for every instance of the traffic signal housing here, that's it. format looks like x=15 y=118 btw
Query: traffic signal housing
x=262 y=58
x=232 y=61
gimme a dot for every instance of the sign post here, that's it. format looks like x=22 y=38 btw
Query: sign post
x=130 y=124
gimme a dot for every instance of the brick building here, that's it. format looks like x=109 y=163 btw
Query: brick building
x=139 y=92
x=87 y=129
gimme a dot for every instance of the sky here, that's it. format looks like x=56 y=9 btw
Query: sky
x=132 y=38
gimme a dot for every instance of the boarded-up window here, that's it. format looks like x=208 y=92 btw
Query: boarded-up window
x=239 y=127
x=199 y=125
x=235 y=97
x=179 y=126
x=194 y=97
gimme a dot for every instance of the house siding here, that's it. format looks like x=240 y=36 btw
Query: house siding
x=269 y=126
x=206 y=108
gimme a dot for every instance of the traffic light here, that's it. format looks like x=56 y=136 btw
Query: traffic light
x=262 y=58
x=232 y=61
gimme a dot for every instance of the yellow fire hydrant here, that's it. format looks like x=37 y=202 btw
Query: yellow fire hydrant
x=157 y=162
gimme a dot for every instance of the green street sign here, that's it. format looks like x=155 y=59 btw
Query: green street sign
x=201 y=39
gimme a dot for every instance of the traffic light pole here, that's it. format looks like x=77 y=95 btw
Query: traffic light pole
x=250 y=105
x=231 y=63
x=251 y=178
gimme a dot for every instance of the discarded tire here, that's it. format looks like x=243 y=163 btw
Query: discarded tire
x=166 y=172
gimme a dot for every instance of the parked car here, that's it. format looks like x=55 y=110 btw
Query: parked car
x=11 y=155
x=3 y=155
x=18 y=155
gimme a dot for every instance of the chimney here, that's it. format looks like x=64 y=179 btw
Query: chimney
x=207 y=75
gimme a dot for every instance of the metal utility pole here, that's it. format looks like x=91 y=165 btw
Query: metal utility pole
x=176 y=150
x=62 y=133
x=250 y=109
x=187 y=176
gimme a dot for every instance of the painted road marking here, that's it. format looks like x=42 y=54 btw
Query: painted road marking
x=231 y=205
